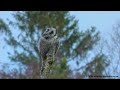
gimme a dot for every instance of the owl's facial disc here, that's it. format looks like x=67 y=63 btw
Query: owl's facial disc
x=49 y=33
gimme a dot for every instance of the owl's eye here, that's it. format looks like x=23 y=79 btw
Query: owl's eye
x=51 y=32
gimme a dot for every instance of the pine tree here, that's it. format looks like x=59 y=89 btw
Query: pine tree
x=75 y=44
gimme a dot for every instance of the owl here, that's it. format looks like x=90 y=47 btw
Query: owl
x=48 y=45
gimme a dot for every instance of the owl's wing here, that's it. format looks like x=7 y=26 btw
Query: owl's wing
x=56 y=46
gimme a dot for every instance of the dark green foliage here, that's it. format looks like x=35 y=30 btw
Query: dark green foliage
x=96 y=67
x=4 y=27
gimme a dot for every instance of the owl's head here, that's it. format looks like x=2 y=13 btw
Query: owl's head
x=49 y=33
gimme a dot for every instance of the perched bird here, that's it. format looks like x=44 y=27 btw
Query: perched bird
x=48 y=47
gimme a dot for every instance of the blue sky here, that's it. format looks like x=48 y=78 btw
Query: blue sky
x=4 y=15
x=102 y=20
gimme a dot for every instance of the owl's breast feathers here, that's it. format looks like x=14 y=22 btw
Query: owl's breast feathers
x=46 y=47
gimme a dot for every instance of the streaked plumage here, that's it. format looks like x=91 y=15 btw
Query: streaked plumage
x=48 y=45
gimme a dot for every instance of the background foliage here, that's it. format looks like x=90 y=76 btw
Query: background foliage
x=75 y=45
